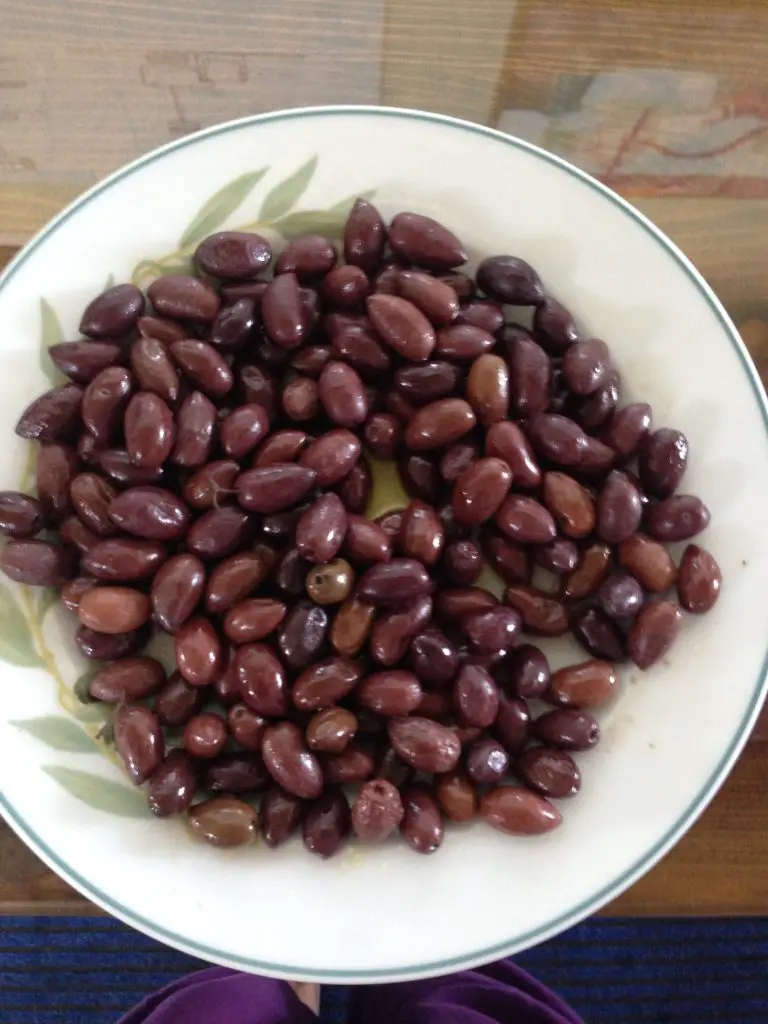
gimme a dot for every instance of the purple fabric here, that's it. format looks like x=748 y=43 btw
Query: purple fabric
x=500 y=992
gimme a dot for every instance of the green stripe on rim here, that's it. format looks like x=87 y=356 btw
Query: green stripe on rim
x=708 y=790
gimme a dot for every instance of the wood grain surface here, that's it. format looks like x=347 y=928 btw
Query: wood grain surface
x=86 y=85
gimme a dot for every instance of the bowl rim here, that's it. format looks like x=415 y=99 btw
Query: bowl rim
x=706 y=792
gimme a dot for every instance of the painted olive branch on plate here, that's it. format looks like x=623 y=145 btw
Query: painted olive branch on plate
x=22 y=638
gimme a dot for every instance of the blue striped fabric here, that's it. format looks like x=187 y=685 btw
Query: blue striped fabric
x=85 y=970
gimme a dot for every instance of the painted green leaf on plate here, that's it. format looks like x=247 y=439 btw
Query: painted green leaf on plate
x=81 y=687
x=16 y=646
x=285 y=195
x=96 y=713
x=311 y=222
x=146 y=268
x=50 y=334
x=57 y=732
x=99 y=793
x=221 y=205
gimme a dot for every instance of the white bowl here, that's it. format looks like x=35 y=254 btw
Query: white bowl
x=668 y=740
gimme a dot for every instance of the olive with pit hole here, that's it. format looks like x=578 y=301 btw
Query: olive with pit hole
x=567 y=729
x=377 y=811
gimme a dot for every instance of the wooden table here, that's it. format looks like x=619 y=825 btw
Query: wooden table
x=666 y=100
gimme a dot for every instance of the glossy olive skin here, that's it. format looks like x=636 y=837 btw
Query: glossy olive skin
x=124 y=559
x=394 y=582
x=176 y=591
x=183 y=297
x=126 y=680
x=679 y=517
x=198 y=650
x=331 y=730
x=38 y=563
x=52 y=416
x=150 y=512
x=138 y=741
x=433 y=658
x=108 y=646
x=425 y=242
x=223 y=821
x=509 y=279
x=327 y=824
x=302 y=634
x=699 y=580
x=456 y=796
x=391 y=692
x=424 y=744
x=587 y=685
x=480 y=490
x=113 y=313
x=599 y=634
x=176 y=702
x=653 y=632
x=235 y=255
x=290 y=763
x=281 y=815
x=518 y=811
x=567 y=729
x=649 y=562
x=422 y=824
x=550 y=772
x=661 y=462
x=262 y=679
x=394 y=630
x=325 y=683
x=235 y=772
x=321 y=529
x=20 y=515
x=172 y=786
x=364 y=236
